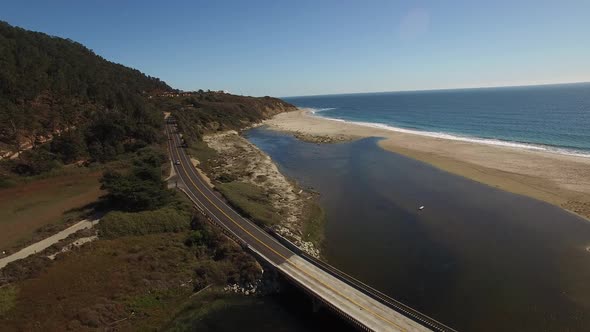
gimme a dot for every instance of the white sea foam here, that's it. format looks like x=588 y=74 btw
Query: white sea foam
x=455 y=137
x=317 y=110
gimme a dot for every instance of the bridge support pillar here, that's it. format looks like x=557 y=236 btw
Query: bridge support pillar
x=316 y=305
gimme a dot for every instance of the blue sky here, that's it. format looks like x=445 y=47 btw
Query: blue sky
x=286 y=48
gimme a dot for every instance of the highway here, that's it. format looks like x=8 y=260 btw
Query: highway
x=333 y=289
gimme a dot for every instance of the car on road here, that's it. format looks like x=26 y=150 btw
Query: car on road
x=177 y=162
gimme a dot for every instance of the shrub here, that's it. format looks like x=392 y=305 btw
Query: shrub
x=196 y=238
x=134 y=193
x=211 y=272
x=35 y=162
x=69 y=146
x=143 y=188
x=166 y=220
x=251 y=201
x=7 y=299
x=315 y=219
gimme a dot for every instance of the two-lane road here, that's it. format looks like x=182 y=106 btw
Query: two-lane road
x=349 y=302
x=201 y=193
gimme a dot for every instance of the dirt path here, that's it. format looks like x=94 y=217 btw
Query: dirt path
x=46 y=243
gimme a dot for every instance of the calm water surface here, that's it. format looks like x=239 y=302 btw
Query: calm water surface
x=289 y=311
x=476 y=258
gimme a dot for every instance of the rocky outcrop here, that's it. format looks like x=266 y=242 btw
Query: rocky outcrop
x=322 y=139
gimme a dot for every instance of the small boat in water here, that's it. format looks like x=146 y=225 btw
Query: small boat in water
x=421 y=208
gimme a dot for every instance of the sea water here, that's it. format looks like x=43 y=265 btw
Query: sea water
x=553 y=118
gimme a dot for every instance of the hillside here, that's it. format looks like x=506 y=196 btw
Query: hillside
x=55 y=89
x=60 y=103
x=203 y=112
x=49 y=85
x=155 y=257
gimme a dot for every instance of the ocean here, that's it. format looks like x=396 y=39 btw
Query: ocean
x=554 y=118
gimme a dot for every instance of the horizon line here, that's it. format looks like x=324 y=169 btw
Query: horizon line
x=440 y=89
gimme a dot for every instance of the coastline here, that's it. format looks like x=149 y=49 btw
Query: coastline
x=251 y=181
x=561 y=180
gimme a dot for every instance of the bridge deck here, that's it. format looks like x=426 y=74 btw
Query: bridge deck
x=370 y=313
x=340 y=296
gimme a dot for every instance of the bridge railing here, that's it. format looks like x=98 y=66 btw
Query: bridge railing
x=366 y=289
x=351 y=281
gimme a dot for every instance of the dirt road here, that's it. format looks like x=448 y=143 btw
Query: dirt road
x=46 y=243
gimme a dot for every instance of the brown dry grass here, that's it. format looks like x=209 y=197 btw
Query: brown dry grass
x=131 y=283
x=26 y=208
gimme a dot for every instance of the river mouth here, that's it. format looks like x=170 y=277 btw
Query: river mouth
x=475 y=258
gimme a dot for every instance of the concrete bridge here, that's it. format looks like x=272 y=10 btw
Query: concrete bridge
x=360 y=304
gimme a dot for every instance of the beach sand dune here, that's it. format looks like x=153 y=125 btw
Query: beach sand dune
x=562 y=180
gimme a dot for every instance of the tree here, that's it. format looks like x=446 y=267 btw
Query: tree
x=69 y=146
x=11 y=124
x=130 y=193
x=35 y=161
x=141 y=189
x=49 y=85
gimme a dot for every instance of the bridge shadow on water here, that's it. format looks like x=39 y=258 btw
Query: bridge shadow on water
x=290 y=310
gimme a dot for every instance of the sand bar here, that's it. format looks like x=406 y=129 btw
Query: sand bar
x=562 y=180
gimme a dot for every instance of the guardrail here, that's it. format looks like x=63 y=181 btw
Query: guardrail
x=351 y=281
x=328 y=304
x=247 y=247
x=366 y=289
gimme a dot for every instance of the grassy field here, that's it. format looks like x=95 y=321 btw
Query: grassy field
x=130 y=283
x=251 y=201
x=116 y=223
x=203 y=153
x=104 y=282
x=39 y=205
x=7 y=298
x=313 y=228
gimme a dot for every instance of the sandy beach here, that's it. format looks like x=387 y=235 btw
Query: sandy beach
x=562 y=180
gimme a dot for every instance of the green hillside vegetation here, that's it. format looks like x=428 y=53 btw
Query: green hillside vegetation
x=201 y=112
x=251 y=201
x=92 y=109
x=61 y=104
x=51 y=86
x=153 y=254
x=165 y=220
x=130 y=283
x=141 y=203
x=141 y=188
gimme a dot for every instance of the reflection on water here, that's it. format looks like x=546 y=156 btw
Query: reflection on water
x=289 y=311
x=475 y=258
